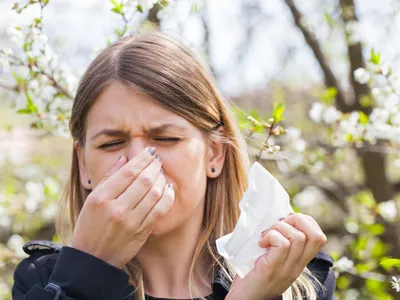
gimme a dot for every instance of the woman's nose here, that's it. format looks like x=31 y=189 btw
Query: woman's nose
x=135 y=147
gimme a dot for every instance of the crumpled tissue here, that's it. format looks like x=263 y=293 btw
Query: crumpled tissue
x=263 y=204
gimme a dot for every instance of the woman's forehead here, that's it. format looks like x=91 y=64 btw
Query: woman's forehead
x=120 y=108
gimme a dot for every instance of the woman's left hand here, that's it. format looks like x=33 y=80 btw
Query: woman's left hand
x=293 y=243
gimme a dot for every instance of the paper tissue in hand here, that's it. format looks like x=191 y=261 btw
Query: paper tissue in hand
x=263 y=204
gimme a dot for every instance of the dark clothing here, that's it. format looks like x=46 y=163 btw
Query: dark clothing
x=53 y=272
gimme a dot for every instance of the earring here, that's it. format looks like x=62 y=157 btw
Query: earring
x=213 y=169
x=89 y=181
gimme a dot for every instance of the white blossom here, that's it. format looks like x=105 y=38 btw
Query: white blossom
x=15 y=243
x=299 y=145
x=146 y=4
x=353 y=31
x=351 y=227
x=362 y=76
x=4 y=66
x=35 y=195
x=396 y=119
x=388 y=210
x=396 y=284
x=344 y=264
x=379 y=115
x=331 y=115
x=309 y=197
x=50 y=211
x=385 y=70
x=16 y=35
x=315 y=112
x=293 y=133
x=6 y=51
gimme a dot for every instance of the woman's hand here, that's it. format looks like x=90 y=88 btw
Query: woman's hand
x=117 y=216
x=293 y=243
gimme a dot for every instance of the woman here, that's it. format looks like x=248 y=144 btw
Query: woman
x=157 y=170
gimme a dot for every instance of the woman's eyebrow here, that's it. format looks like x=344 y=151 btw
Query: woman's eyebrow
x=154 y=130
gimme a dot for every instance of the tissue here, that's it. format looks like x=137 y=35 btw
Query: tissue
x=263 y=204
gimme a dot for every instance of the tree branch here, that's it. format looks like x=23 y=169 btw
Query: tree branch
x=355 y=56
x=329 y=77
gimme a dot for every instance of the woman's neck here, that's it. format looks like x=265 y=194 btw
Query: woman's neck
x=166 y=261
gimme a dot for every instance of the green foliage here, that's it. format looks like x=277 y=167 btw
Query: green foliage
x=328 y=95
x=375 y=57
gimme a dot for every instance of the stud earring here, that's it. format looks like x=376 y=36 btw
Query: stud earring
x=213 y=169
x=89 y=181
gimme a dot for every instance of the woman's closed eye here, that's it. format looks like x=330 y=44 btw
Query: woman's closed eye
x=167 y=139
x=157 y=139
x=111 y=144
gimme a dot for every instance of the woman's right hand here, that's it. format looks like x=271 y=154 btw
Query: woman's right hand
x=117 y=216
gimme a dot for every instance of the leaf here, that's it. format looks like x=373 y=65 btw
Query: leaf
x=390 y=262
x=24 y=111
x=379 y=249
x=375 y=229
x=30 y=104
x=195 y=8
x=363 y=118
x=366 y=101
x=375 y=57
x=329 y=20
x=366 y=267
x=277 y=114
x=139 y=8
x=328 y=96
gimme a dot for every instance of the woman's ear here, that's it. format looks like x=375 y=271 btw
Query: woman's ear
x=83 y=172
x=216 y=154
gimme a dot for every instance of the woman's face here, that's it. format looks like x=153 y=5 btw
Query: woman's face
x=124 y=123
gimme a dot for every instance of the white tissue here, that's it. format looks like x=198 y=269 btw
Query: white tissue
x=263 y=203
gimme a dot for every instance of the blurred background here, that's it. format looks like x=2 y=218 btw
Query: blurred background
x=314 y=85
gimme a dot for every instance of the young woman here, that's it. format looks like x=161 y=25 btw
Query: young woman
x=158 y=168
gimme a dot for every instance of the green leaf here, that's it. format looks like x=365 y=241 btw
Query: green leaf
x=343 y=283
x=366 y=267
x=329 y=20
x=30 y=104
x=375 y=57
x=390 y=262
x=363 y=118
x=139 y=8
x=277 y=114
x=366 y=198
x=117 y=7
x=379 y=249
x=366 y=101
x=328 y=96
x=375 y=229
x=24 y=111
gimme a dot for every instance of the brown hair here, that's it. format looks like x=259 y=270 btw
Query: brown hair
x=163 y=69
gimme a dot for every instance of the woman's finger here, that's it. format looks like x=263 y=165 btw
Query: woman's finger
x=278 y=246
x=297 y=240
x=145 y=182
x=161 y=208
x=315 y=237
x=111 y=186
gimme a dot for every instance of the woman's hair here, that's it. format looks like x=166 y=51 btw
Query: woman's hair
x=167 y=72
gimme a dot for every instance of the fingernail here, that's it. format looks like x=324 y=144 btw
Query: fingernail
x=152 y=150
x=158 y=157
x=170 y=186
x=119 y=158
x=280 y=219
x=264 y=232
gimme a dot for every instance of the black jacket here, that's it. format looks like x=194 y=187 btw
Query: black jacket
x=53 y=272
